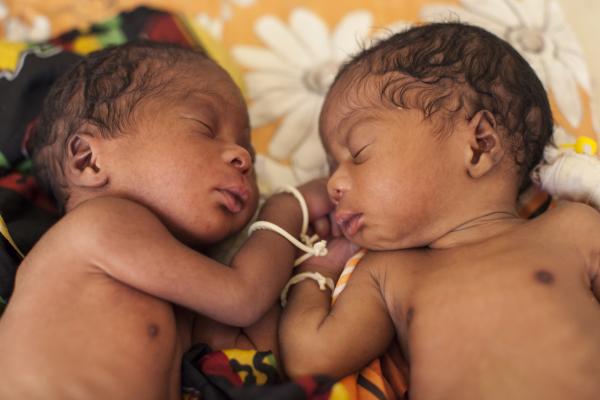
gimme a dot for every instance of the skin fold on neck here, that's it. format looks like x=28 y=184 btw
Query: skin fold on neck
x=477 y=229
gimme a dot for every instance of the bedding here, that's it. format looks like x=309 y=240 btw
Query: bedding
x=247 y=374
x=284 y=55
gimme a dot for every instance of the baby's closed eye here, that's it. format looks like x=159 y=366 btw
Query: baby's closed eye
x=358 y=152
x=201 y=127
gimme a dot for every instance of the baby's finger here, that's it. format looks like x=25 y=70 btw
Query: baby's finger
x=321 y=227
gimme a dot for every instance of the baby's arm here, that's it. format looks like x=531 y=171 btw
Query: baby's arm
x=586 y=221
x=318 y=339
x=261 y=336
x=131 y=245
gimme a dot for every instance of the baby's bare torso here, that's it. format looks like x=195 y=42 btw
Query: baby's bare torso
x=513 y=317
x=73 y=332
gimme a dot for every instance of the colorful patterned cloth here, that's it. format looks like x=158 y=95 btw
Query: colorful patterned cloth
x=248 y=374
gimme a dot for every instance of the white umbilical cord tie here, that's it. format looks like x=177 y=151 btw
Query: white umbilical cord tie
x=311 y=245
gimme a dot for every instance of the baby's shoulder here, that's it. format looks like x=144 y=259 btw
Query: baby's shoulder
x=394 y=272
x=575 y=225
x=400 y=263
x=575 y=217
x=101 y=221
x=88 y=233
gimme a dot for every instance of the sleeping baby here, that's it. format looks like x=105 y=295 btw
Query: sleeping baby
x=431 y=134
x=146 y=147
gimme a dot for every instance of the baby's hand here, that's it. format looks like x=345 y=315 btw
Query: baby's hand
x=317 y=199
x=339 y=250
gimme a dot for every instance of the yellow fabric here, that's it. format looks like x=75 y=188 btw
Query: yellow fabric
x=246 y=357
x=4 y=231
x=10 y=54
x=86 y=44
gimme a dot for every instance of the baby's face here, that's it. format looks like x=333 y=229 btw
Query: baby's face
x=190 y=159
x=390 y=173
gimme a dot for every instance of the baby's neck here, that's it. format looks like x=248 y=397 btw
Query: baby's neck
x=478 y=228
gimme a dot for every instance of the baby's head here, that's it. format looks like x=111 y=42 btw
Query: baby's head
x=428 y=127
x=155 y=123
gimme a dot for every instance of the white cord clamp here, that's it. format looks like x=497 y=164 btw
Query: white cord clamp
x=323 y=282
x=311 y=245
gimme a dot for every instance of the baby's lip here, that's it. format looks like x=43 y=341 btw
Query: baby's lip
x=234 y=197
x=349 y=222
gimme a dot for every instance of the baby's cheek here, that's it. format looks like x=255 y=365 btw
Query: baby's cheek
x=389 y=191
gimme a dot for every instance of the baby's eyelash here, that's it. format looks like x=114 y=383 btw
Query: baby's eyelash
x=359 y=151
x=205 y=129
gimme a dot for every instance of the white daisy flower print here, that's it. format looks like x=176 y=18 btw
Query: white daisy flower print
x=17 y=30
x=214 y=25
x=539 y=31
x=288 y=80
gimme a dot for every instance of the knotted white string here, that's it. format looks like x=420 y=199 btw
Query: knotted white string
x=311 y=245
x=323 y=282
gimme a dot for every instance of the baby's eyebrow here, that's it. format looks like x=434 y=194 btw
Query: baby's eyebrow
x=359 y=121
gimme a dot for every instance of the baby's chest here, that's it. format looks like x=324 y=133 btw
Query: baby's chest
x=493 y=286
x=503 y=309
x=520 y=271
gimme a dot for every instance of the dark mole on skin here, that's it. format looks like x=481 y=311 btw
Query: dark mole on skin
x=544 y=277
x=153 y=330
x=409 y=315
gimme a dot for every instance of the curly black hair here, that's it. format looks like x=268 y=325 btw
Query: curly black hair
x=450 y=67
x=103 y=89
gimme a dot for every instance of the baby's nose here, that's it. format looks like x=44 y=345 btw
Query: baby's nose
x=336 y=188
x=239 y=158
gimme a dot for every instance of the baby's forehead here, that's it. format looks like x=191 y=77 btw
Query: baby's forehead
x=349 y=101
x=201 y=82
x=198 y=74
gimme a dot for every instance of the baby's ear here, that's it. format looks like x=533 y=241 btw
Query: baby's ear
x=485 y=148
x=83 y=166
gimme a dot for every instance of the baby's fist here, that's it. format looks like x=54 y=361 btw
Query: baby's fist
x=339 y=250
x=316 y=197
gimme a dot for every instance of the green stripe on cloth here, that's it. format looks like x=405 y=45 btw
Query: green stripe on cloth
x=113 y=35
x=25 y=166
x=2 y=305
x=4 y=161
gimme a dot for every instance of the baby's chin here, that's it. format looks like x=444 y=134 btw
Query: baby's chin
x=371 y=240
x=219 y=232
x=364 y=243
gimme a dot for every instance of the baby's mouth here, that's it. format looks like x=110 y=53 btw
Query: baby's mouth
x=349 y=223
x=234 y=198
